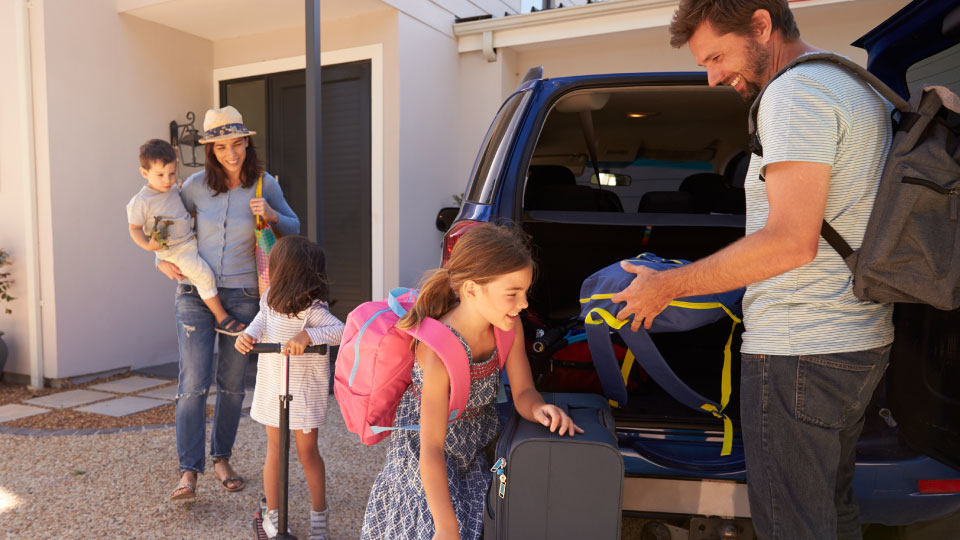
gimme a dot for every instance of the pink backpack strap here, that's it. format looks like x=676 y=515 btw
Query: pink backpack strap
x=504 y=342
x=446 y=344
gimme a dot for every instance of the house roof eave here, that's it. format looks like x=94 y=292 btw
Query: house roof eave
x=580 y=21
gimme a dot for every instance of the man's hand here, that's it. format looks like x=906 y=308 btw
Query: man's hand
x=298 y=343
x=646 y=296
x=244 y=343
x=170 y=270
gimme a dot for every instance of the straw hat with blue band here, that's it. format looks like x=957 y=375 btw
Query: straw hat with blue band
x=224 y=123
x=599 y=314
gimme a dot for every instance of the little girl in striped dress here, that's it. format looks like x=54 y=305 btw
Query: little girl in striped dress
x=293 y=311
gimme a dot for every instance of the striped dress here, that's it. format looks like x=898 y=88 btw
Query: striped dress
x=309 y=373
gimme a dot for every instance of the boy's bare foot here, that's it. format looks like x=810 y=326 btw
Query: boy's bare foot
x=228 y=477
x=186 y=488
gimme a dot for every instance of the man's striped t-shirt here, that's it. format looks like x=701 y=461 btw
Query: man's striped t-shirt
x=818 y=112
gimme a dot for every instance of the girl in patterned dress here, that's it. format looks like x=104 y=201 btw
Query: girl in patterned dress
x=293 y=311
x=433 y=484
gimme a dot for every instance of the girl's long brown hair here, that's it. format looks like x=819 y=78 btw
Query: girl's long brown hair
x=482 y=254
x=216 y=178
x=298 y=275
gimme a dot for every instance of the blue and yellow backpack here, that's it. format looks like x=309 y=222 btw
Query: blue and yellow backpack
x=600 y=318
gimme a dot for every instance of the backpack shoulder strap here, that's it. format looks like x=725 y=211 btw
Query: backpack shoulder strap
x=841 y=61
x=504 y=344
x=441 y=340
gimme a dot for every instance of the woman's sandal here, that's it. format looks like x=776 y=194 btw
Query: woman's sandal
x=230 y=326
x=184 y=491
x=231 y=479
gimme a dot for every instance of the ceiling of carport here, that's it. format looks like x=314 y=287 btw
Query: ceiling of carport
x=224 y=19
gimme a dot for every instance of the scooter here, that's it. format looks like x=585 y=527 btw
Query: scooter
x=283 y=459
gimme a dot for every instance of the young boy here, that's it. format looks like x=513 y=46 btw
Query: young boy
x=159 y=223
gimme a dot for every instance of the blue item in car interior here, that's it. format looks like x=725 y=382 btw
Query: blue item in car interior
x=599 y=314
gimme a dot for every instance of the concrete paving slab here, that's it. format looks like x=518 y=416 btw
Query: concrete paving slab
x=123 y=406
x=70 y=398
x=168 y=393
x=170 y=370
x=15 y=411
x=129 y=385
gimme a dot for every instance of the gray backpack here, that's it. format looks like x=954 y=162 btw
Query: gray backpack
x=911 y=247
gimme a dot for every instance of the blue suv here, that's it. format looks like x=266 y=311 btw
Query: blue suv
x=600 y=168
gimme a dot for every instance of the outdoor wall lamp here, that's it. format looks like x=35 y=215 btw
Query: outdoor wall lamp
x=186 y=140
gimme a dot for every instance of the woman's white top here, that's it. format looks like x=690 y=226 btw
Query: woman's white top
x=309 y=373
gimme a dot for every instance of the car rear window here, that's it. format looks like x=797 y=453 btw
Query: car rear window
x=494 y=149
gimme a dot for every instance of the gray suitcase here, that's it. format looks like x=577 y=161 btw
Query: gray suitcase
x=558 y=488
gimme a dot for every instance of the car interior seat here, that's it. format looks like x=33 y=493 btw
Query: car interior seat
x=705 y=188
x=670 y=202
x=736 y=171
x=554 y=187
x=732 y=200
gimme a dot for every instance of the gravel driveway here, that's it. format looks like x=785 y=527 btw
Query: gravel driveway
x=116 y=486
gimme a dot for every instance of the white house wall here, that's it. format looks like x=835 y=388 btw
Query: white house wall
x=429 y=120
x=106 y=96
x=14 y=186
x=483 y=86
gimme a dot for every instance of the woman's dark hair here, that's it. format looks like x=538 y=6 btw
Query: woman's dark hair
x=730 y=16
x=298 y=275
x=216 y=178
x=484 y=253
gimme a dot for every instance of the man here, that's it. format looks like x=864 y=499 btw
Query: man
x=812 y=352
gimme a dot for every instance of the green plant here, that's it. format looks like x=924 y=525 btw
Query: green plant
x=5 y=280
x=458 y=199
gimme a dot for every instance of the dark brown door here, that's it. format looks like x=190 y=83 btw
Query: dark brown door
x=274 y=105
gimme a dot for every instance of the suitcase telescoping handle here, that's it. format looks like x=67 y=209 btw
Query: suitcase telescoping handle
x=275 y=348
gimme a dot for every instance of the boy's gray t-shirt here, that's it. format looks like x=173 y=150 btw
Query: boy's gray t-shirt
x=149 y=203
x=818 y=112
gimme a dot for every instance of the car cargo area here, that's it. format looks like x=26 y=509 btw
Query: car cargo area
x=621 y=171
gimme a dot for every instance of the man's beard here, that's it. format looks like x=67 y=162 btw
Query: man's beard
x=758 y=60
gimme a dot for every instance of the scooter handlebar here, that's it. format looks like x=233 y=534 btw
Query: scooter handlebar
x=275 y=348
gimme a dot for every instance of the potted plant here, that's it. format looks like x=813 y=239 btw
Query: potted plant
x=5 y=283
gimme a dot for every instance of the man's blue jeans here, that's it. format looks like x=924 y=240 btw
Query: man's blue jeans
x=801 y=417
x=198 y=367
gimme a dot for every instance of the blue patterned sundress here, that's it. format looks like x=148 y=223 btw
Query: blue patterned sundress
x=397 y=508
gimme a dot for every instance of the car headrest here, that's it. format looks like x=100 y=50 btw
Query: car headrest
x=706 y=182
x=736 y=171
x=549 y=175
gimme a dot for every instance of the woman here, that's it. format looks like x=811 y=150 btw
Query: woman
x=223 y=198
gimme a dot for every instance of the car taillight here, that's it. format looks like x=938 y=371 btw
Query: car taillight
x=938 y=487
x=454 y=234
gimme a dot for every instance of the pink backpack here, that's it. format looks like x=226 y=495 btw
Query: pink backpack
x=375 y=360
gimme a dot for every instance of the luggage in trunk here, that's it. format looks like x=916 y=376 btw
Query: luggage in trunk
x=559 y=488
